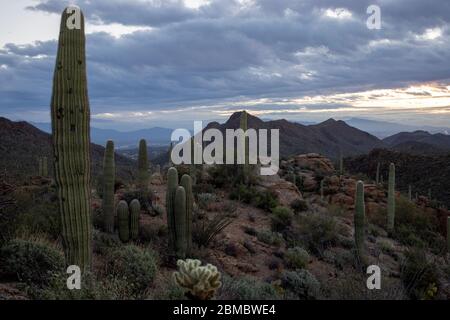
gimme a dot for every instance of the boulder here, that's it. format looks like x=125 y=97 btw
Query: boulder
x=315 y=162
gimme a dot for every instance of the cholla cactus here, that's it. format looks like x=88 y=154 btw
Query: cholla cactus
x=200 y=282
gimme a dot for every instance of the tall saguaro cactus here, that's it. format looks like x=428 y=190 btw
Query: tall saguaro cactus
x=360 y=220
x=186 y=183
x=172 y=185
x=135 y=211
x=71 y=139
x=180 y=223
x=391 y=198
x=143 y=166
x=109 y=170
x=123 y=217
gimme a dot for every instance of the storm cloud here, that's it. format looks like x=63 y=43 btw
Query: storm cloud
x=222 y=53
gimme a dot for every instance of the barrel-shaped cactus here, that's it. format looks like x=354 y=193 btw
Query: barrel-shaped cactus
x=172 y=185
x=180 y=223
x=135 y=211
x=143 y=176
x=360 y=221
x=391 y=198
x=123 y=221
x=109 y=171
x=71 y=140
x=186 y=183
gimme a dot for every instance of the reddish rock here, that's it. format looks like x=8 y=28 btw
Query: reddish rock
x=315 y=162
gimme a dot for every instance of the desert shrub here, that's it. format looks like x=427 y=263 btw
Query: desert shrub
x=316 y=232
x=150 y=233
x=109 y=288
x=204 y=200
x=386 y=247
x=250 y=230
x=136 y=265
x=419 y=275
x=415 y=227
x=105 y=242
x=281 y=218
x=35 y=212
x=204 y=231
x=31 y=261
x=265 y=199
x=296 y=258
x=270 y=238
x=301 y=283
x=299 y=205
x=145 y=199
x=246 y=288
x=340 y=259
x=336 y=210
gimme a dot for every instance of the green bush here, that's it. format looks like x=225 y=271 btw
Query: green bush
x=136 y=265
x=246 y=288
x=31 y=261
x=105 y=242
x=281 y=218
x=265 y=199
x=301 y=283
x=317 y=232
x=270 y=238
x=299 y=205
x=419 y=274
x=205 y=199
x=296 y=258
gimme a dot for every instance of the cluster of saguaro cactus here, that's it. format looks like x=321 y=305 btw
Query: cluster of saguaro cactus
x=200 y=282
x=128 y=220
x=179 y=205
x=109 y=171
x=143 y=176
x=391 y=198
x=43 y=167
x=360 y=221
x=71 y=142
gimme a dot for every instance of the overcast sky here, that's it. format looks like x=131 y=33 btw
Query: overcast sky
x=169 y=62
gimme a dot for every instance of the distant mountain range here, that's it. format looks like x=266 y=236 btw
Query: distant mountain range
x=383 y=129
x=21 y=145
x=161 y=136
x=122 y=140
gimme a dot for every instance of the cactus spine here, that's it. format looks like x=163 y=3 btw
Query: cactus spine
x=360 y=217
x=135 y=211
x=123 y=216
x=143 y=166
x=180 y=223
x=172 y=185
x=71 y=142
x=377 y=177
x=391 y=198
x=186 y=183
x=109 y=170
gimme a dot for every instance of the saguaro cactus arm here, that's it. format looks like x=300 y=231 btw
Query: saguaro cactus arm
x=135 y=211
x=123 y=217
